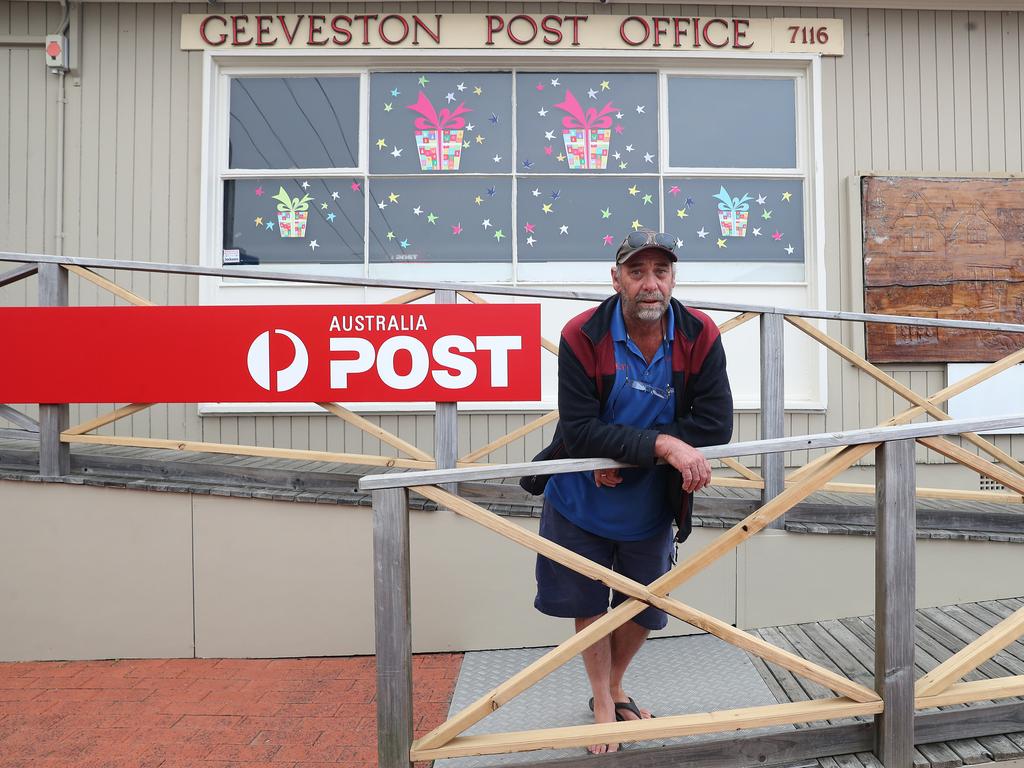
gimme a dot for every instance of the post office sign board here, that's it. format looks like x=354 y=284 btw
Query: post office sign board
x=352 y=353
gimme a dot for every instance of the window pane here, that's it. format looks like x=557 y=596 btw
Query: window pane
x=736 y=219
x=430 y=221
x=295 y=220
x=433 y=122
x=587 y=122
x=566 y=219
x=721 y=122
x=294 y=122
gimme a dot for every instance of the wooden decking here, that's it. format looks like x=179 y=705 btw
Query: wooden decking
x=847 y=646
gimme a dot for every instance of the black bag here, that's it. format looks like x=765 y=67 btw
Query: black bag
x=534 y=484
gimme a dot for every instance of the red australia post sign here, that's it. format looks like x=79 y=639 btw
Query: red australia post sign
x=351 y=353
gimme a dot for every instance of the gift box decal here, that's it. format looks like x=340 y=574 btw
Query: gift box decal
x=292 y=214
x=438 y=135
x=732 y=214
x=587 y=133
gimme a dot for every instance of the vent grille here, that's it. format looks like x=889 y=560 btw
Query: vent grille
x=988 y=484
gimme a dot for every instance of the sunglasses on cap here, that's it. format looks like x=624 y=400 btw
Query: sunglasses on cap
x=636 y=240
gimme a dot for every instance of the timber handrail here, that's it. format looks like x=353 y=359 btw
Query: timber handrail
x=497 y=290
x=777 y=445
x=893 y=701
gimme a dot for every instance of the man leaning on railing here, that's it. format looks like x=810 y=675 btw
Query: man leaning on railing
x=640 y=378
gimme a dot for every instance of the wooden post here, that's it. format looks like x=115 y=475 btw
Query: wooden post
x=894 y=601
x=773 y=468
x=446 y=418
x=54 y=418
x=393 y=624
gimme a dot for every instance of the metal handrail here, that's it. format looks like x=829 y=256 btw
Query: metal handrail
x=497 y=290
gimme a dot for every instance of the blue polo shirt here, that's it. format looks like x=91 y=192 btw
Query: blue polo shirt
x=640 y=397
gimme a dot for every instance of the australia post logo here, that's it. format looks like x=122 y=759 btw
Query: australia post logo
x=312 y=354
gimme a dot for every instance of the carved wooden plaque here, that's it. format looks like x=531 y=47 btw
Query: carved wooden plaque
x=943 y=247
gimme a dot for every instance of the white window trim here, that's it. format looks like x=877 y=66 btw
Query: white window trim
x=218 y=66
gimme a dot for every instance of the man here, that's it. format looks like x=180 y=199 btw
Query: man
x=640 y=378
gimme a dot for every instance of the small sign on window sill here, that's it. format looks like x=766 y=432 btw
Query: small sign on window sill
x=235 y=256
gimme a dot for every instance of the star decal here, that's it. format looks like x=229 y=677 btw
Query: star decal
x=548 y=150
x=395 y=92
x=689 y=202
x=618 y=115
x=629 y=147
x=535 y=192
x=461 y=87
x=480 y=138
x=761 y=199
x=258 y=221
x=616 y=155
x=491 y=192
x=530 y=241
x=542 y=112
x=546 y=207
x=418 y=211
x=323 y=206
x=555 y=194
x=679 y=243
x=618 y=128
x=387 y=106
x=478 y=91
x=633 y=190
x=560 y=157
x=648 y=199
x=432 y=217
x=720 y=242
x=332 y=216
x=404 y=243
x=486 y=223
x=607 y=239
x=702 y=233
x=390 y=235
x=382 y=205
x=549 y=135
x=640 y=109
x=592 y=93
x=786 y=196
x=498 y=234
x=606 y=213
x=270 y=226
x=681 y=213
x=423 y=80
x=789 y=249
x=393 y=198
x=605 y=85
x=757 y=231
x=396 y=152
x=478 y=199
x=564 y=229
x=381 y=143
x=313 y=244
x=457 y=228
x=258 y=191
x=355 y=187
x=305 y=185
x=776 y=235
x=493 y=118
x=540 y=86
x=470 y=127
x=497 y=158
x=648 y=157
x=527 y=164
x=623 y=165
x=555 y=82
x=529 y=228
x=636 y=224
x=766 y=214
x=450 y=97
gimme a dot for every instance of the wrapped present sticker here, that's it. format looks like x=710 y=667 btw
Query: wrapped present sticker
x=732 y=214
x=292 y=213
x=438 y=135
x=587 y=133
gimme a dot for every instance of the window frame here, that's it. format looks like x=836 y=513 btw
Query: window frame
x=218 y=66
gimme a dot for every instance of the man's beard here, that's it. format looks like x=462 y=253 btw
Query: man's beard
x=647 y=313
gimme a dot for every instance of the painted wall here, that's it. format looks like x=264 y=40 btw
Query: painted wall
x=916 y=91
x=93 y=572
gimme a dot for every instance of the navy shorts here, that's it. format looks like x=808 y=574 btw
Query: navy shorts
x=564 y=593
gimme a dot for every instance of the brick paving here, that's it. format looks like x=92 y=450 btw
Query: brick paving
x=205 y=713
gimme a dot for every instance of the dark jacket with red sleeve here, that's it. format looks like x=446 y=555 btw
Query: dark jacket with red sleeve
x=586 y=373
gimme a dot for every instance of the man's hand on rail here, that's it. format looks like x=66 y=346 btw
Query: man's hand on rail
x=607 y=477
x=690 y=462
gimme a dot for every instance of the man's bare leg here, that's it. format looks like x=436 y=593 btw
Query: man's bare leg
x=625 y=641
x=597 y=659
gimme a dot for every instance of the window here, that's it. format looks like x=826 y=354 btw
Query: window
x=515 y=175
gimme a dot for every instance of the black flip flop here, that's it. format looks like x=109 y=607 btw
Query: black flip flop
x=629 y=706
